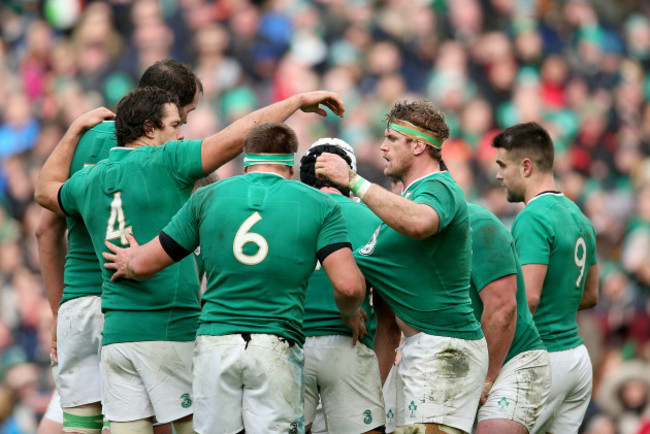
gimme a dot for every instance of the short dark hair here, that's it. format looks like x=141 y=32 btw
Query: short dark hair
x=308 y=167
x=140 y=105
x=175 y=77
x=423 y=114
x=528 y=140
x=271 y=138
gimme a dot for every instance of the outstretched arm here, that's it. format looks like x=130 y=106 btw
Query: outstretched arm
x=136 y=262
x=412 y=219
x=222 y=147
x=56 y=169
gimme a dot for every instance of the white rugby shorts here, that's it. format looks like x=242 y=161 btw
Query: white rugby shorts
x=349 y=383
x=248 y=381
x=571 y=383
x=147 y=379
x=521 y=389
x=79 y=342
x=438 y=381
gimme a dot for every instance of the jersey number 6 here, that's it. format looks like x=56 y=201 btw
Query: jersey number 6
x=243 y=236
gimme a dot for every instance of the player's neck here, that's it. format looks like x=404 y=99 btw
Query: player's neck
x=140 y=141
x=421 y=167
x=277 y=169
x=539 y=184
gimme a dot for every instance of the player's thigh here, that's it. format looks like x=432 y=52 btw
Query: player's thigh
x=519 y=392
x=439 y=381
x=273 y=385
x=571 y=378
x=350 y=385
x=217 y=383
x=79 y=336
x=125 y=395
x=165 y=368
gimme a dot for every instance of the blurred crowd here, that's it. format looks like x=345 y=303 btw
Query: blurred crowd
x=580 y=68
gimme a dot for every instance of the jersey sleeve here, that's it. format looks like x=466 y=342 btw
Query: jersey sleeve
x=181 y=235
x=533 y=238
x=183 y=161
x=593 y=258
x=439 y=197
x=492 y=256
x=334 y=233
x=73 y=192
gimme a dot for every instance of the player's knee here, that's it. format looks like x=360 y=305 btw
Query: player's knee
x=308 y=429
x=142 y=426
x=83 y=420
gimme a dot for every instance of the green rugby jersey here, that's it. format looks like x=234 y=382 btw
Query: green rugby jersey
x=322 y=316
x=427 y=282
x=139 y=191
x=82 y=274
x=551 y=230
x=494 y=256
x=259 y=235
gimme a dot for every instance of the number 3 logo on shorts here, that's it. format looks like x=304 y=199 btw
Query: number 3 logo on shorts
x=243 y=236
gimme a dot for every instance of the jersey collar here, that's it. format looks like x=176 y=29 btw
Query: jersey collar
x=404 y=190
x=119 y=153
x=546 y=193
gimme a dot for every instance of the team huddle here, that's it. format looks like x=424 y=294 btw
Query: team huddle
x=312 y=285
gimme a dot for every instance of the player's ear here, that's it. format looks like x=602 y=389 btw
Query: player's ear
x=419 y=148
x=149 y=128
x=527 y=166
x=291 y=171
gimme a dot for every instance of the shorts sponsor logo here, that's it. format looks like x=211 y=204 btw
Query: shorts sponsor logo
x=293 y=428
x=503 y=403
x=368 y=417
x=187 y=400
x=389 y=416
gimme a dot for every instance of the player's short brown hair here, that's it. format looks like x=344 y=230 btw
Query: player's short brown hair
x=142 y=104
x=271 y=138
x=528 y=140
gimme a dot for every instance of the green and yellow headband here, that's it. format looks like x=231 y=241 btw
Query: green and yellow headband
x=415 y=133
x=251 y=159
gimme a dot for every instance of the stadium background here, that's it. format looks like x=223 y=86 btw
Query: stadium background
x=579 y=68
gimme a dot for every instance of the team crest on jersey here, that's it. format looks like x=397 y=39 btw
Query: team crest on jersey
x=369 y=248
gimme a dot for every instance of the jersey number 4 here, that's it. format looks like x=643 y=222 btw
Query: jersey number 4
x=243 y=236
x=117 y=219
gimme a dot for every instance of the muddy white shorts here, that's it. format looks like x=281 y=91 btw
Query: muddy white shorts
x=145 y=379
x=520 y=390
x=571 y=382
x=79 y=342
x=248 y=381
x=438 y=380
x=349 y=383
